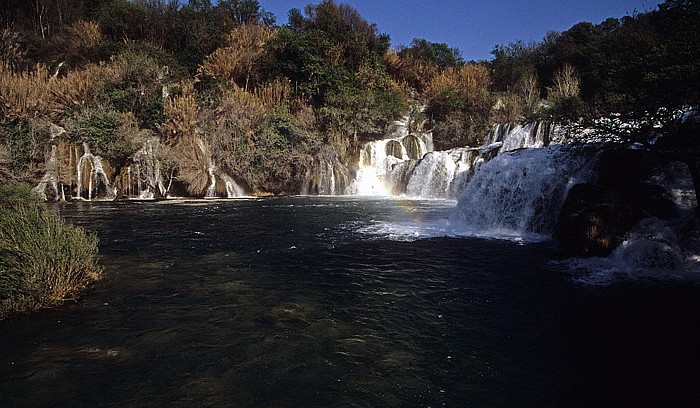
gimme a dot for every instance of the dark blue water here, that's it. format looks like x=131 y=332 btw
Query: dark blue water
x=296 y=302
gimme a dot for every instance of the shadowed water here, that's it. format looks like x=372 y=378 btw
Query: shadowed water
x=294 y=302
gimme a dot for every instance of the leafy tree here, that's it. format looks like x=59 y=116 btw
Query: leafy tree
x=438 y=54
x=460 y=103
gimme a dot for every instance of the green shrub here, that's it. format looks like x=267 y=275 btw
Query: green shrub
x=101 y=128
x=43 y=260
x=25 y=140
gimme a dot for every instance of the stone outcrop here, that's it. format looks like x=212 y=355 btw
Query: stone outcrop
x=595 y=218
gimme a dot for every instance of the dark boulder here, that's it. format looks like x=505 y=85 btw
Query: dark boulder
x=623 y=169
x=594 y=220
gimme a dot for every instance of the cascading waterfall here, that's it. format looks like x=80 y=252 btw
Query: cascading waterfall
x=383 y=164
x=404 y=164
x=326 y=175
x=520 y=193
x=229 y=187
x=51 y=179
x=91 y=178
x=143 y=178
x=513 y=136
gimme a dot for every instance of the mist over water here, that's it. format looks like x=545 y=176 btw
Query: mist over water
x=342 y=302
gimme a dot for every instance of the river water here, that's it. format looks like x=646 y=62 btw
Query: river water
x=335 y=302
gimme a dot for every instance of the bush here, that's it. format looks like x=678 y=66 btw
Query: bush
x=101 y=128
x=43 y=261
x=461 y=105
x=24 y=140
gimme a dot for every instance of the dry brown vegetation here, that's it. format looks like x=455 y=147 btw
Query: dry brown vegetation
x=237 y=61
x=25 y=94
x=470 y=81
x=567 y=83
x=181 y=114
x=41 y=93
x=417 y=73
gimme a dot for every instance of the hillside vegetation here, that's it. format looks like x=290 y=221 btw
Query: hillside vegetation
x=223 y=84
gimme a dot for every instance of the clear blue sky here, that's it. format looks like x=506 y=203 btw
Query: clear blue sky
x=474 y=26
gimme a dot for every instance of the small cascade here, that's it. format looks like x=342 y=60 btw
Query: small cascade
x=143 y=178
x=513 y=136
x=384 y=165
x=520 y=193
x=326 y=175
x=51 y=180
x=233 y=190
x=222 y=185
x=92 y=180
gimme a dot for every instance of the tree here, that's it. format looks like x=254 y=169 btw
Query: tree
x=438 y=54
x=653 y=85
x=246 y=12
x=239 y=60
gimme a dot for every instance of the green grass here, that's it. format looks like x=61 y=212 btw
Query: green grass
x=44 y=261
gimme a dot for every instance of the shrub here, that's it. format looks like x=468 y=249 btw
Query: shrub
x=24 y=94
x=181 y=114
x=12 y=52
x=238 y=60
x=24 y=140
x=102 y=129
x=564 y=95
x=43 y=260
x=460 y=103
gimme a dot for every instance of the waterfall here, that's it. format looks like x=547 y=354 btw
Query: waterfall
x=92 y=178
x=383 y=164
x=325 y=175
x=143 y=178
x=438 y=174
x=50 y=179
x=519 y=193
x=405 y=164
x=229 y=187
x=512 y=136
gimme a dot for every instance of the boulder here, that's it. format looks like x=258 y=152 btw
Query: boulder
x=592 y=223
x=594 y=219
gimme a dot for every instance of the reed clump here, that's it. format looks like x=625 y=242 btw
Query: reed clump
x=44 y=261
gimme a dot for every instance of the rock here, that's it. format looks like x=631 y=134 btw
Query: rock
x=592 y=222
x=394 y=148
x=413 y=147
x=623 y=169
x=595 y=218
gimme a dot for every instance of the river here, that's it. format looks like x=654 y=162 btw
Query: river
x=340 y=302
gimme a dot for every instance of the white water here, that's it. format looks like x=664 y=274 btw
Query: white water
x=50 y=178
x=385 y=167
x=98 y=185
x=326 y=175
x=144 y=178
x=383 y=164
x=233 y=189
x=513 y=136
x=520 y=193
